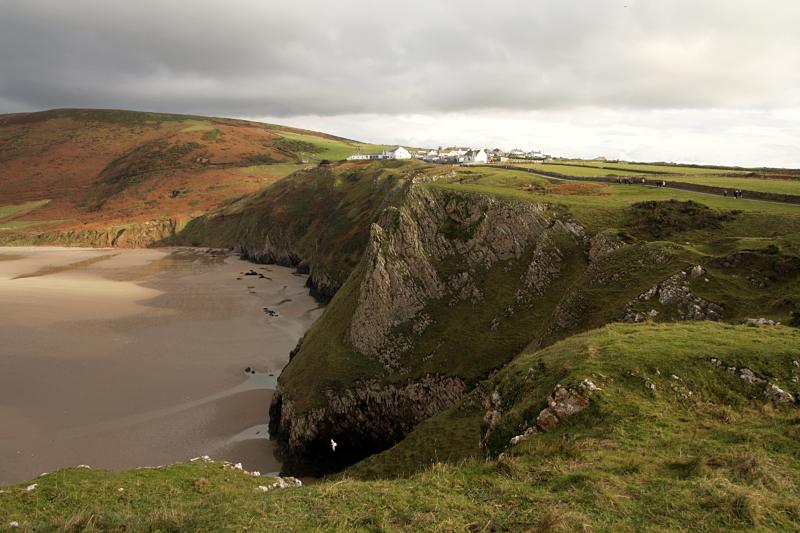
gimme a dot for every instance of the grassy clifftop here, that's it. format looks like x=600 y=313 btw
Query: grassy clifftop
x=465 y=267
x=673 y=440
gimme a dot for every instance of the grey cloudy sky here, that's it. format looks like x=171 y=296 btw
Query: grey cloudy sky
x=699 y=80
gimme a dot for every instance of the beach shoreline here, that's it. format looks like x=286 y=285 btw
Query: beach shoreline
x=131 y=358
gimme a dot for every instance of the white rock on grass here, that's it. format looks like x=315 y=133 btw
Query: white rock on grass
x=778 y=395
x=280 y=483
x=749 y=376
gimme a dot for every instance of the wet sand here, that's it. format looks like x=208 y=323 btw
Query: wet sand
x=126 y=358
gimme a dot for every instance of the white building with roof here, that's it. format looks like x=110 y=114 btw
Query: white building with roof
x=476 y=156
x=397 y=153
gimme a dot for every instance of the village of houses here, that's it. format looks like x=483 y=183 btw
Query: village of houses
x=452 y=156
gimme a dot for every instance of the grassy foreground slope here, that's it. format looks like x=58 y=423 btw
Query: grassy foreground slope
x=673 y=440
x=92 y=172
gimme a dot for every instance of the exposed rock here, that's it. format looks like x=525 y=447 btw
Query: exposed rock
x=280 y=483
x=363 y=419
x=761 y=322
x=492 y=416
x=547 y=260
x=400 y=272
x=519 y=438
x=675 y=291
x=603 y=244
x=588 y=386
x=747 y=375
x=136 y=235
x=561 y=404
x=778 y=395
x=696 y=271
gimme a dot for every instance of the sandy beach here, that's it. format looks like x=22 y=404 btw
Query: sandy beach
x=126 y=358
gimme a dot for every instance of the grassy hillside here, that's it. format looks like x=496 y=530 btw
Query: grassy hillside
x=671 y=441
x=72 y=173
x=320 y=216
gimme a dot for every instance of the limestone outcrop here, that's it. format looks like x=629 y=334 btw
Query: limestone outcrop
x=676 y=292
x=433 y=248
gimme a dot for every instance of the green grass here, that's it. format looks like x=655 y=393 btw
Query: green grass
x=576 y=170
x=277 y=170
x=325 y=148
x=605 y=209
x=197 y=125
x=11 y=211
x=722 y=458
x=778 y=186
x=663 y=167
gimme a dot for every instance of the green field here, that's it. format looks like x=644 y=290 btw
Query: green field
x=602 y=206
x=778 y=186
x=702 y=176
x=672 y=169
x=326 y=148
x=273 y=171
x=575 y=170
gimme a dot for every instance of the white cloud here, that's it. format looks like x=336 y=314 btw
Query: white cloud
x=732 y=137
x=607 y=69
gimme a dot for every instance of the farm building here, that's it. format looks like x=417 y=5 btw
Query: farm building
x=397 y=153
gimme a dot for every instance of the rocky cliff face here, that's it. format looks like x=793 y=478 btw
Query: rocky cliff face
x=356 y=423
x=317 y=220
x=425 y=258
x=434 y=247
x=135 y=235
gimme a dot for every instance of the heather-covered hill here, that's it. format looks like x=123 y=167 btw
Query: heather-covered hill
x=103 y=177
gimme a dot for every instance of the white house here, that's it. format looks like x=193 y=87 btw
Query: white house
x=476 y=156
x=366 y=157
x=397 y=153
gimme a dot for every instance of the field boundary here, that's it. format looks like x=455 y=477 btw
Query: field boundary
x=681 y=185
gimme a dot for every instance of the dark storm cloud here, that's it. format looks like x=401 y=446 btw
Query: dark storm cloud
x=284 y=58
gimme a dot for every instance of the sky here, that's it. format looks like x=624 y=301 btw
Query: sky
x=701 y=81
